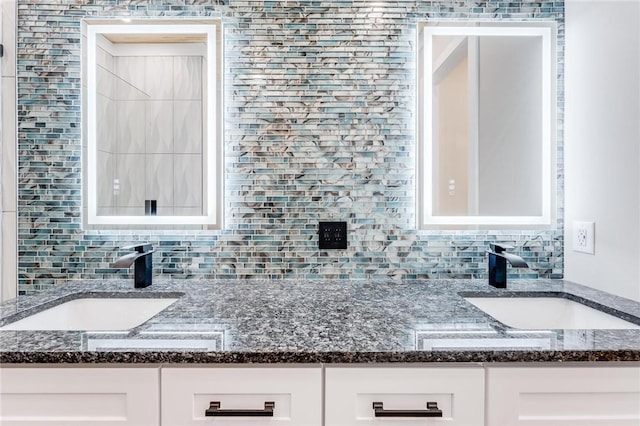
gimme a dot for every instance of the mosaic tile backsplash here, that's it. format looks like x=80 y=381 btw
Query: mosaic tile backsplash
x=319 y=125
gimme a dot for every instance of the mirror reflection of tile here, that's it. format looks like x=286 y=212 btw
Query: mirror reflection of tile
x=149 y=134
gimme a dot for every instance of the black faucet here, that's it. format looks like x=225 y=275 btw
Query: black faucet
x=498 y=258
x=143 y=268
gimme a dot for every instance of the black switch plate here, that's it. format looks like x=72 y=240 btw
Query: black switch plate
x=332 y=235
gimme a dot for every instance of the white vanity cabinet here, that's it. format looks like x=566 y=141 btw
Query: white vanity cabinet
x=403 y=394
x=535 y=395
x=491 y=394
x=79 y=396
x=243 y=394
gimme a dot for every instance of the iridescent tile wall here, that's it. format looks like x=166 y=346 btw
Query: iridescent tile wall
x=319 y=125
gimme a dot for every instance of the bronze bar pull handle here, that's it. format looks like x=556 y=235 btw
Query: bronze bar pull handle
x=431 y=411
x=215 y=411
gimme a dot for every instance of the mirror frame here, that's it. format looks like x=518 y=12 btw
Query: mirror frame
x=425 y=215
x=212 y=178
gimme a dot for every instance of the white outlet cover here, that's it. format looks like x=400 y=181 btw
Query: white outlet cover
x=584 y=237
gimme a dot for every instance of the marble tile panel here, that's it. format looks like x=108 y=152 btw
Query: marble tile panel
x=187 y=182
x=131 y=127
x=131 y=211
x=159 y=179
x=159 y=127
x=187 y=77
x=165 y=211
x=105 y=60
x=187 y=127
x=106 y=124
x=158 y=77
x=106 y=173
x=108 y=211
x=188 y=211
x=130 y=172
x=131 y=69
x=105 y=83
x=127 y=92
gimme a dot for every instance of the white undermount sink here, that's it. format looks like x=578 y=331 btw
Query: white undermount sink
x=93 y=314
x=547 y=313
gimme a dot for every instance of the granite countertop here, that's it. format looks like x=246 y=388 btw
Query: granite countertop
x=341 y=321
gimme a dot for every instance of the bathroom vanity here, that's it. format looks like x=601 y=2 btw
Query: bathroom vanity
x=321 y=353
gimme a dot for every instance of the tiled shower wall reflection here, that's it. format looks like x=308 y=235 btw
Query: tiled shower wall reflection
x=319 y=125
x=137 y=161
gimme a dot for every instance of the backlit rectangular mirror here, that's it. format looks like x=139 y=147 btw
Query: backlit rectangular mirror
x=153 y=133
x=486 y=128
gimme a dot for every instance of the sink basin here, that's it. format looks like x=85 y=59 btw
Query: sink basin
x=93 y=314
x=547 y=313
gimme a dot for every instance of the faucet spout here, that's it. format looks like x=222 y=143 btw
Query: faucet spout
x=126 y=260
x=142 y=260
x=498 y=258
x=514 y=260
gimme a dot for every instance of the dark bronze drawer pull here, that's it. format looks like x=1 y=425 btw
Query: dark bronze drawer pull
x=431 y=411
x=214 y=410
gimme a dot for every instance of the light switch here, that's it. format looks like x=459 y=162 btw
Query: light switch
x=332 y=235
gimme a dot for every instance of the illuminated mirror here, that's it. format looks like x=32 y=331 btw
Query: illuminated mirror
x=152 y=128
x=486 y=102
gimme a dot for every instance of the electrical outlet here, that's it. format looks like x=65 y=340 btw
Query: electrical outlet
x=584 y=237
x=332 y=235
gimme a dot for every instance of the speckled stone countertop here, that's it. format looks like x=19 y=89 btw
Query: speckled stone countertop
x=318 y=322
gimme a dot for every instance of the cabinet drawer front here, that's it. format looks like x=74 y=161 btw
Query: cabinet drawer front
x=563 y=396
x=187 y=393
x=351 y=392
x=79 y=396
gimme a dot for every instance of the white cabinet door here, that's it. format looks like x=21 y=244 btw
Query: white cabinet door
x=563 y=396
x=79 y=396
x=242 y=394
x=351 y=393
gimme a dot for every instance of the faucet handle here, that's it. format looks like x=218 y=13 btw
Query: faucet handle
x=140 y=247
x=500 y=248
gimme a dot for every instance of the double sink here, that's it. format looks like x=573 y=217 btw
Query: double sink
x=125 y=313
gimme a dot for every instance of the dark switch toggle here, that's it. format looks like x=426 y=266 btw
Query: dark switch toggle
x=332 y=235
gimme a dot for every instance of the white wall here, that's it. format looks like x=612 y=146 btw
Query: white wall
x=8 y=228
x=602 y=134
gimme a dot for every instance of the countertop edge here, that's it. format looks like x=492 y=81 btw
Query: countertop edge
x=276 y=357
